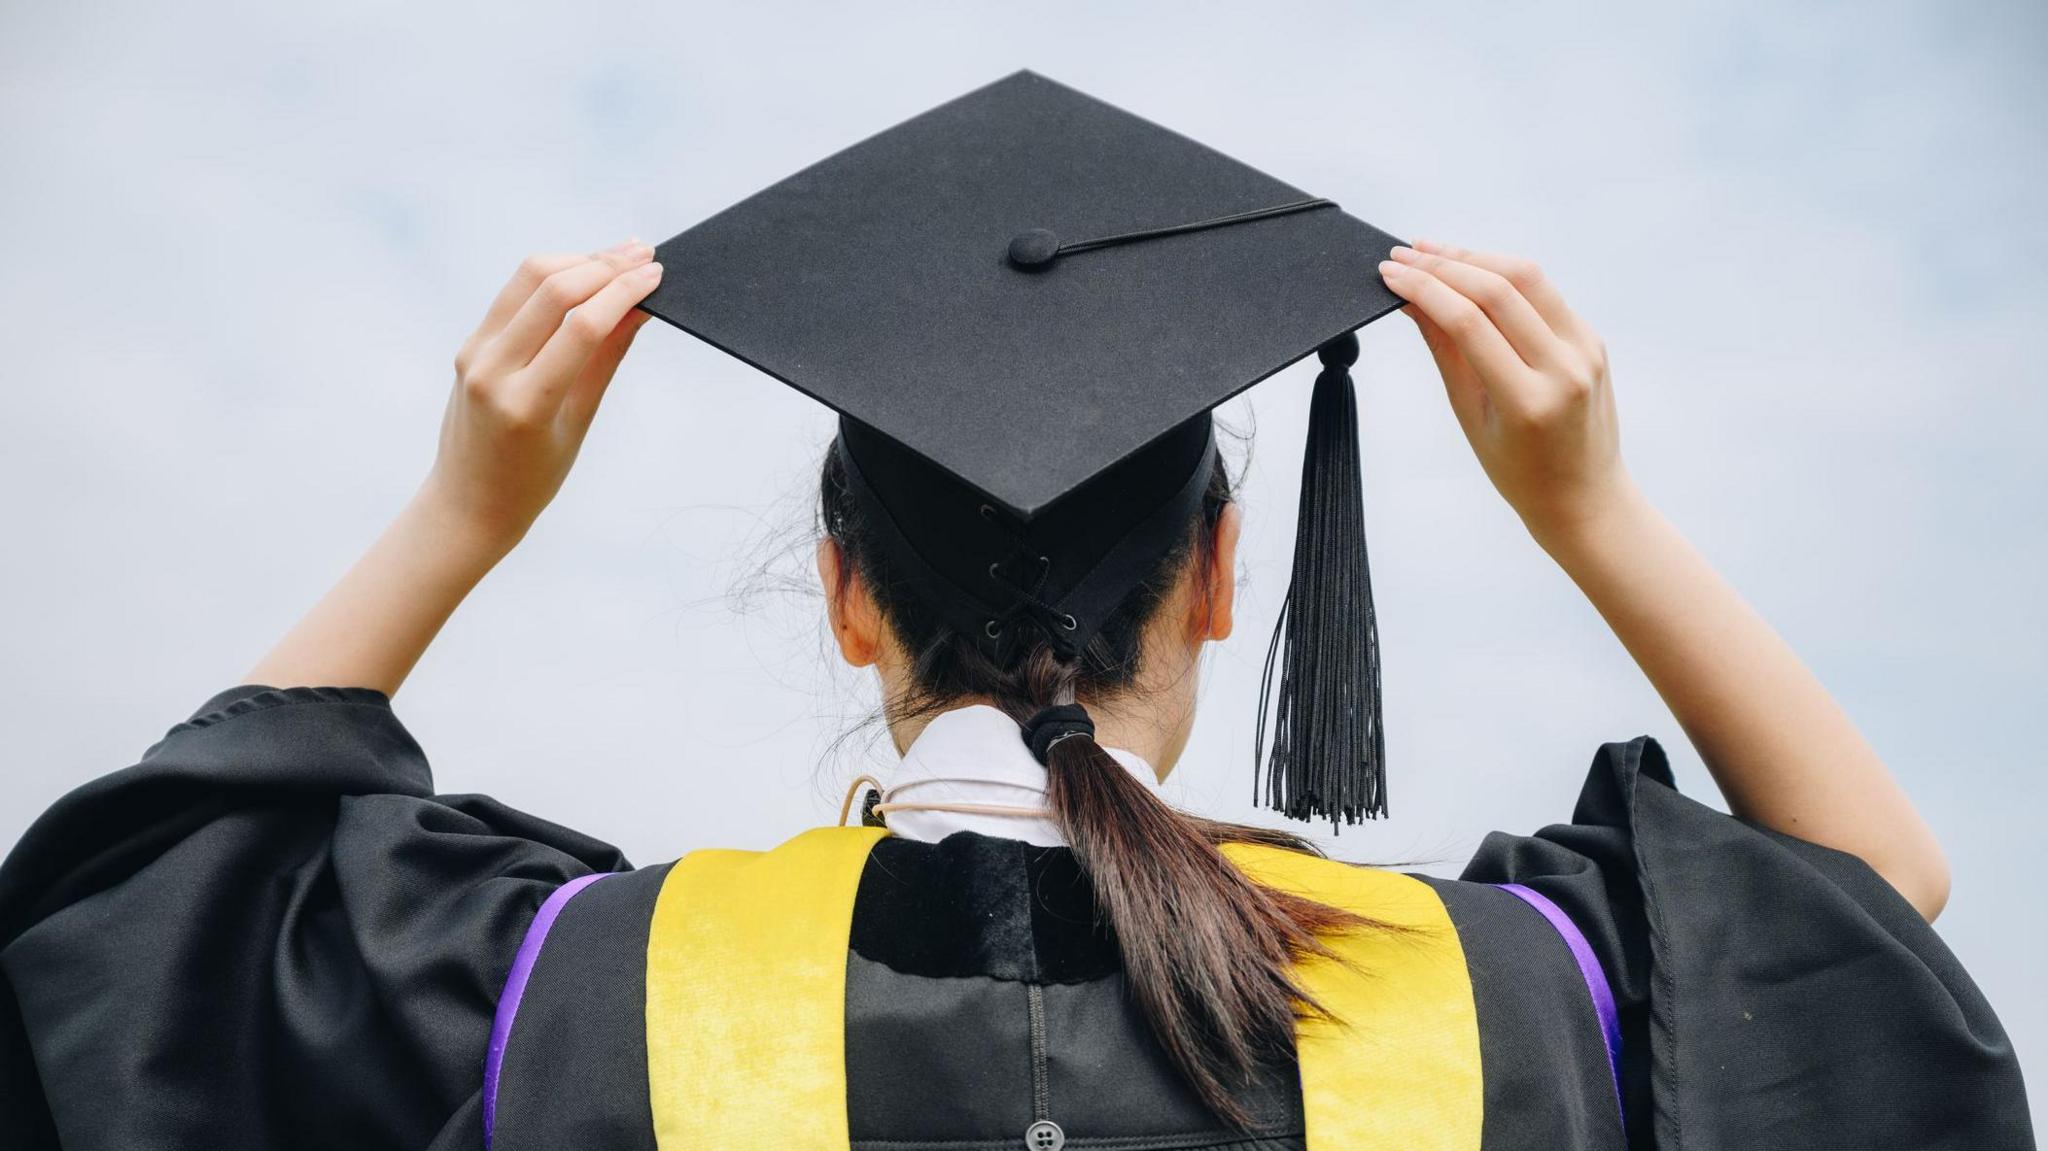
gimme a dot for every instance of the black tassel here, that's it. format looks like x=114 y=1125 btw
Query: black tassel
x=1329 y=749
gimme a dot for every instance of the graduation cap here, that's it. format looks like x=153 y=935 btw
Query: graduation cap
x=1023 y=304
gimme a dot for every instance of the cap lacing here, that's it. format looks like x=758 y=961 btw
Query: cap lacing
x=1025 y=602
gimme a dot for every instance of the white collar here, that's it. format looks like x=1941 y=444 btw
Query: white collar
x=975 y=755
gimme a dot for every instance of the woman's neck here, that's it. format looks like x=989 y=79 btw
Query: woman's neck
x=1155 y=734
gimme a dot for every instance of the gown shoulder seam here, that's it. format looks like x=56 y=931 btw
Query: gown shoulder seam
x=270 y=699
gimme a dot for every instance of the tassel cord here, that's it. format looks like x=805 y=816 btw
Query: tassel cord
x=1321 y=680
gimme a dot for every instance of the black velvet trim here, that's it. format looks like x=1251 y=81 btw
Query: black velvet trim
x=975 y=905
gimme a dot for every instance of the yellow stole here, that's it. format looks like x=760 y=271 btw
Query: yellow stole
x=746 y=1003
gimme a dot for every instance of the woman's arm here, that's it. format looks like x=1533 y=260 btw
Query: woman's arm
x=1528 y=381
x=527 y=384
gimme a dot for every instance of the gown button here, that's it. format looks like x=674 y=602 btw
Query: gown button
x=1044 y=1135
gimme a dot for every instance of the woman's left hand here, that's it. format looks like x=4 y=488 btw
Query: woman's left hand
x=1527 y=379
x=527 y=384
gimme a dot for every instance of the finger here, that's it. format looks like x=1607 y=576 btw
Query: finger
x=1467 y=396
x=541 y=315
x=1525 y=276
x=580 y=405
x=520 y=287
x=1464 y=324
x=584 y=331
x=1527 y=333
x=532 y=270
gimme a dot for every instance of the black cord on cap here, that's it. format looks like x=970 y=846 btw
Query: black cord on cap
x=1053 y=724
x=1034 y=249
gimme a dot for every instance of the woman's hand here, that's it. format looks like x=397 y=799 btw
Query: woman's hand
x=526 y=386
x=1527 y=379
x=528 y=382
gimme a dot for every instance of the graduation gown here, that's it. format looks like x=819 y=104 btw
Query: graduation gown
x=272 y=933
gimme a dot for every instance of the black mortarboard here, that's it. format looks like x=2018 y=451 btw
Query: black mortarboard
x=1024 y=304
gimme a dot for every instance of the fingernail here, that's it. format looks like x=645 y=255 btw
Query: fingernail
x=625 y=245
x=1390 y=270
x=1402 y=252
x=650 y=273
x=1427 y=245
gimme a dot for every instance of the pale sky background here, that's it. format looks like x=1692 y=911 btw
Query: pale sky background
x=242 y=243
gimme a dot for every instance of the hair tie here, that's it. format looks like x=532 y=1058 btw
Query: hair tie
x=1053 y=724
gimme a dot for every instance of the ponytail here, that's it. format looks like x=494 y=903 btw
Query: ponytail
x=1206 y=952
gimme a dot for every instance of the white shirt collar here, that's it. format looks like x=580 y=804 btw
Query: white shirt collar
x=975 y=755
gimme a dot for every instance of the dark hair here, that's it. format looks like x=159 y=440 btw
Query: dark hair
x=1207 y=953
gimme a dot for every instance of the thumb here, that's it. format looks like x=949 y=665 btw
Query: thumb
x=580 y=405
x=1461 y=383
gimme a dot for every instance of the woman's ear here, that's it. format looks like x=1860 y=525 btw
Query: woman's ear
x=856 y=622
x=1217 y=615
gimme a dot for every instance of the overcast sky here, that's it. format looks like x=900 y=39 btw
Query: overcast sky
x=243 y=242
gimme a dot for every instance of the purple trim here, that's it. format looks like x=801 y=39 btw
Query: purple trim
x=515 y=989
x=1589 y=970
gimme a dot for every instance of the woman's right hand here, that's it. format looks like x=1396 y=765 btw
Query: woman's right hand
x=1527 y=379
x=527 y=385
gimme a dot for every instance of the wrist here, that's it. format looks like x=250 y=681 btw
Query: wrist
x=460 y=542
x=1593 y=523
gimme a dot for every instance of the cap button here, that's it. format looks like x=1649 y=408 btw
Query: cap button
x=1033 y=250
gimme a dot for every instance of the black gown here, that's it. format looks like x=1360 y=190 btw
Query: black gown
x=271 y=933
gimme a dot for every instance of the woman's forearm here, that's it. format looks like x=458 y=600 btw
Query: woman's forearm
x=373 y=626
x=1781 y=750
